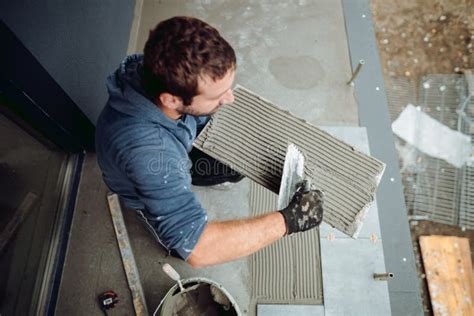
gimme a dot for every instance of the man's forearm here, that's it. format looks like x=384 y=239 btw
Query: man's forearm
x=225 y=241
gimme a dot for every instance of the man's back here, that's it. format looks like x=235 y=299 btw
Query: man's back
x=144 y=158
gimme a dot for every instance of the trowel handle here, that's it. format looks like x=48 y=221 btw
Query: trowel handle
x=306 y=185
x=168 y=269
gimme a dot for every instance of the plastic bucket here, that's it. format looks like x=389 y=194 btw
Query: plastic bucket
x=220 y=296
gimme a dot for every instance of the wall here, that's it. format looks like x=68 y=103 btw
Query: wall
x=78 y=42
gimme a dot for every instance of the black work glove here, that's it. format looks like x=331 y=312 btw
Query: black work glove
x=305 y=210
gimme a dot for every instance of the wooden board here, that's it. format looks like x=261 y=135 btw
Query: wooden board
x=448 y=267
x=128 y=259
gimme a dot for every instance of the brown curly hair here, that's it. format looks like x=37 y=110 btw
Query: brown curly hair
x=178 y=51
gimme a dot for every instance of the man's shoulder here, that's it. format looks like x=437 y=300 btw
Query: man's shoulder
x=122 y=129
x=148 y=161
x=132 y=137
x=115 y=121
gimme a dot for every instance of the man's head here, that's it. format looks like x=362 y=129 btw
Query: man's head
x=188 y=67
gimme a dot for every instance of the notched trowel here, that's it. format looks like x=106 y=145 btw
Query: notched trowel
x=293 y=173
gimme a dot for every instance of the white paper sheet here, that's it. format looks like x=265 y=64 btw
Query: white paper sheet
x=431 y=137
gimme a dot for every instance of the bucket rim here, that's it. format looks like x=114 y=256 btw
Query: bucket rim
x=202 y=280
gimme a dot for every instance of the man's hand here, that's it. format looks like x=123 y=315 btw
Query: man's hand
x=225 y=241
x=305 y=210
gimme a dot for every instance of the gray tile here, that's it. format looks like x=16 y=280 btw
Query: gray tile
x=353 y=293
x=357 y=137
x=354 y=135
x=225 y=202
x=370 y=226
x=349 y=288
x=285 y=310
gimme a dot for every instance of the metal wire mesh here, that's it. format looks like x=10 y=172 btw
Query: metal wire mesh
x=436 y=192
x=466 y=126
x=434 y=189
x=400 y=92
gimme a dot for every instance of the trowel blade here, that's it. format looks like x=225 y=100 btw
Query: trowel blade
x=293 y=173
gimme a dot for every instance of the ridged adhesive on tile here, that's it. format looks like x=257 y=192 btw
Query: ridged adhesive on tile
x=288 y=271
x=252 y=136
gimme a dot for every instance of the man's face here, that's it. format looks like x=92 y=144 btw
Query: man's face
x=212 y=95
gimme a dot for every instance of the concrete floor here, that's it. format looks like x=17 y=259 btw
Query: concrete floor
x=293 y=53
x=93 y=264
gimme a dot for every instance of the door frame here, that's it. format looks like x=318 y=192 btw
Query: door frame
x=30 y=97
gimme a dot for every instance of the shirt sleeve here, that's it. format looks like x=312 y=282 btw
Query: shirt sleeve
x=163 y=184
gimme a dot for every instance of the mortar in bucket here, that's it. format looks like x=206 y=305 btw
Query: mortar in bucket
x=196 y=296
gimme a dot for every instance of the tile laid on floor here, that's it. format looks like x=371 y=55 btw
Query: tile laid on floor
x=349 y=288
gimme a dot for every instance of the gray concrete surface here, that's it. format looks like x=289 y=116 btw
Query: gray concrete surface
x=78 y=42
x=93 y=264
x=291 y=52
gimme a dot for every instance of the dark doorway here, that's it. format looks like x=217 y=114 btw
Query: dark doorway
x=43 y=137
x=31 y=181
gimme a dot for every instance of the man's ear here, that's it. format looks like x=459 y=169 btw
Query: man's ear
x=170 y=101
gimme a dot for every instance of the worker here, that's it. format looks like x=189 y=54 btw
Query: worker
x=158 y=101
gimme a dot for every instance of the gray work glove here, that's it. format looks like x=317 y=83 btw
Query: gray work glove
x=305 y=210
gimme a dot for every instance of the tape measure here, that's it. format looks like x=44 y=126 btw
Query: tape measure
x=107 y=300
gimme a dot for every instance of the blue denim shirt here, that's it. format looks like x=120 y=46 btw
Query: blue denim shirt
x=143 y=156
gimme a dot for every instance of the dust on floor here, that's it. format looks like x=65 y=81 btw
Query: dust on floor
x=417 y=37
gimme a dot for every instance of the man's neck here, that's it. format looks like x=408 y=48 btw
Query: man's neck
x=170 y=113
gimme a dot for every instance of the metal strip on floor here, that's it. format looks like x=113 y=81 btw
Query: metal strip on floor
x=374 y=115
x=256 y=146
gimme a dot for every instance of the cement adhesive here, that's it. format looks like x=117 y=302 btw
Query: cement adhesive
x=288 y=271
x=199 y=299
x=252 y=136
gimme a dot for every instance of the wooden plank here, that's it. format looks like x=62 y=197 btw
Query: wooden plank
x=128 y=259
x=467 y=265
x=448 y=267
